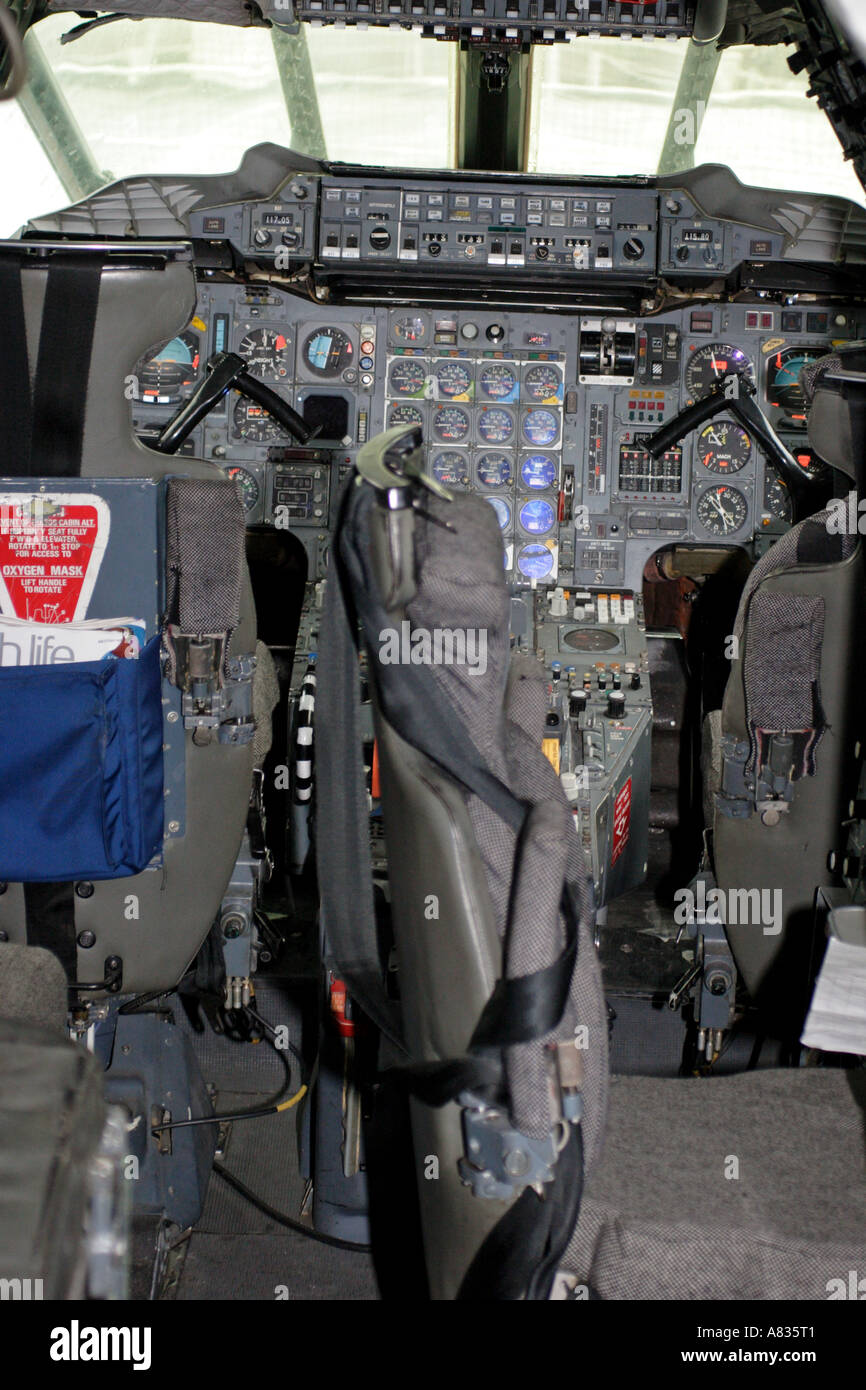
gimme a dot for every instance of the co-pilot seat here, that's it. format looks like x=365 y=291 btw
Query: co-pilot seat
x=126 y=797
x=780 y=755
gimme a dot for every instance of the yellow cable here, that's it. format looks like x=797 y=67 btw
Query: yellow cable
x=293 y=1100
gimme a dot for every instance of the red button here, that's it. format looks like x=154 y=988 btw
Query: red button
x=367 y=346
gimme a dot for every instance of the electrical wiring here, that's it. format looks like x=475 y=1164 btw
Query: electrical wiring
x=271 y=1032
x=131 y=1006
x=276 y=1106
x=256 y=1114
x=287 y=1221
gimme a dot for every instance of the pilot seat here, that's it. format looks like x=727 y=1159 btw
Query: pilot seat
x=128 y=697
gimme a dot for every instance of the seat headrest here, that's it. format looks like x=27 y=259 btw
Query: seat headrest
x=834 y=388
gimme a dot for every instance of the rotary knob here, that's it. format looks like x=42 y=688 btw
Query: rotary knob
x=380 y=238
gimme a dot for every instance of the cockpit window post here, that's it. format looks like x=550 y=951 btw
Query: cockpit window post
x=299 y=90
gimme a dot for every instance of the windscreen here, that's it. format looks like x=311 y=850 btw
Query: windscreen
x=168 y=96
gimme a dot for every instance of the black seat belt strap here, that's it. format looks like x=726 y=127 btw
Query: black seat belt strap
x=63 y=365
x=16 y=416
x=50 y=918
x=342 y=815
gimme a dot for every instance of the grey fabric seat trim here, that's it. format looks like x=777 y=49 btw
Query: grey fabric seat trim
x=782 y=676
x=798 y=547
x=661 y=1220
x=32 y=986
x=205 y=547
x=783 y=637
x=204 y=554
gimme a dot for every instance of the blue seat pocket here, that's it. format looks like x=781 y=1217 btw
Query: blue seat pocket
x=81 y=774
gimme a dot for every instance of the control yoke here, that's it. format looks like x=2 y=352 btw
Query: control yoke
x=735 y=395
x=226 y=371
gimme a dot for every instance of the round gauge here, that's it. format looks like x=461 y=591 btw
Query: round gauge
x=495 y=425
x=454 y=379
x=542 y=383
x=266 y=353
x=328 y=351
x=538 y=470
x=783 y=380
x=450 y=424
x=163 y=373
x=537 y=516
x=777 y=498
x=404 y=415
x=252 y=422
x=724 y=447
x=246 y=485
x=722 y=510
x=411 y=329
x=493 y=470
x=710 y=364
x=540 y=427
x=502 y=510
x=451 y=468
x=535 y=561
x=407 y=377
x=498 y=382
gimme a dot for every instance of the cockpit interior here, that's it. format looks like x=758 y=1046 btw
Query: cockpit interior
x=432 y=765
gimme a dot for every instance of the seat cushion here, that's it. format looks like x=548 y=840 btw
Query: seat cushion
x=51 y=1118
x=33 y=986
x=744 y=1187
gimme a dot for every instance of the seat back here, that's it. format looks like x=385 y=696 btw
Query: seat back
x=786 y=762
x=155 y=517
x=787 y=741
x=476 y=891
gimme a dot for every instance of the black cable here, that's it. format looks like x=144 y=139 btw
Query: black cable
x=217 y=1119
x=133 y=1005
x=270 y=1029
x=288 y=1221
x=277 y=1104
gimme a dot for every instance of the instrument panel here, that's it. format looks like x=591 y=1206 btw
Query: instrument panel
x=510 y=21
x=516 y=227
x=513 y=228
x=540 y=413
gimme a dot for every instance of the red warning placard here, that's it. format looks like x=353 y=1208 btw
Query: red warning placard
x=51 y=548
x=621 y=820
